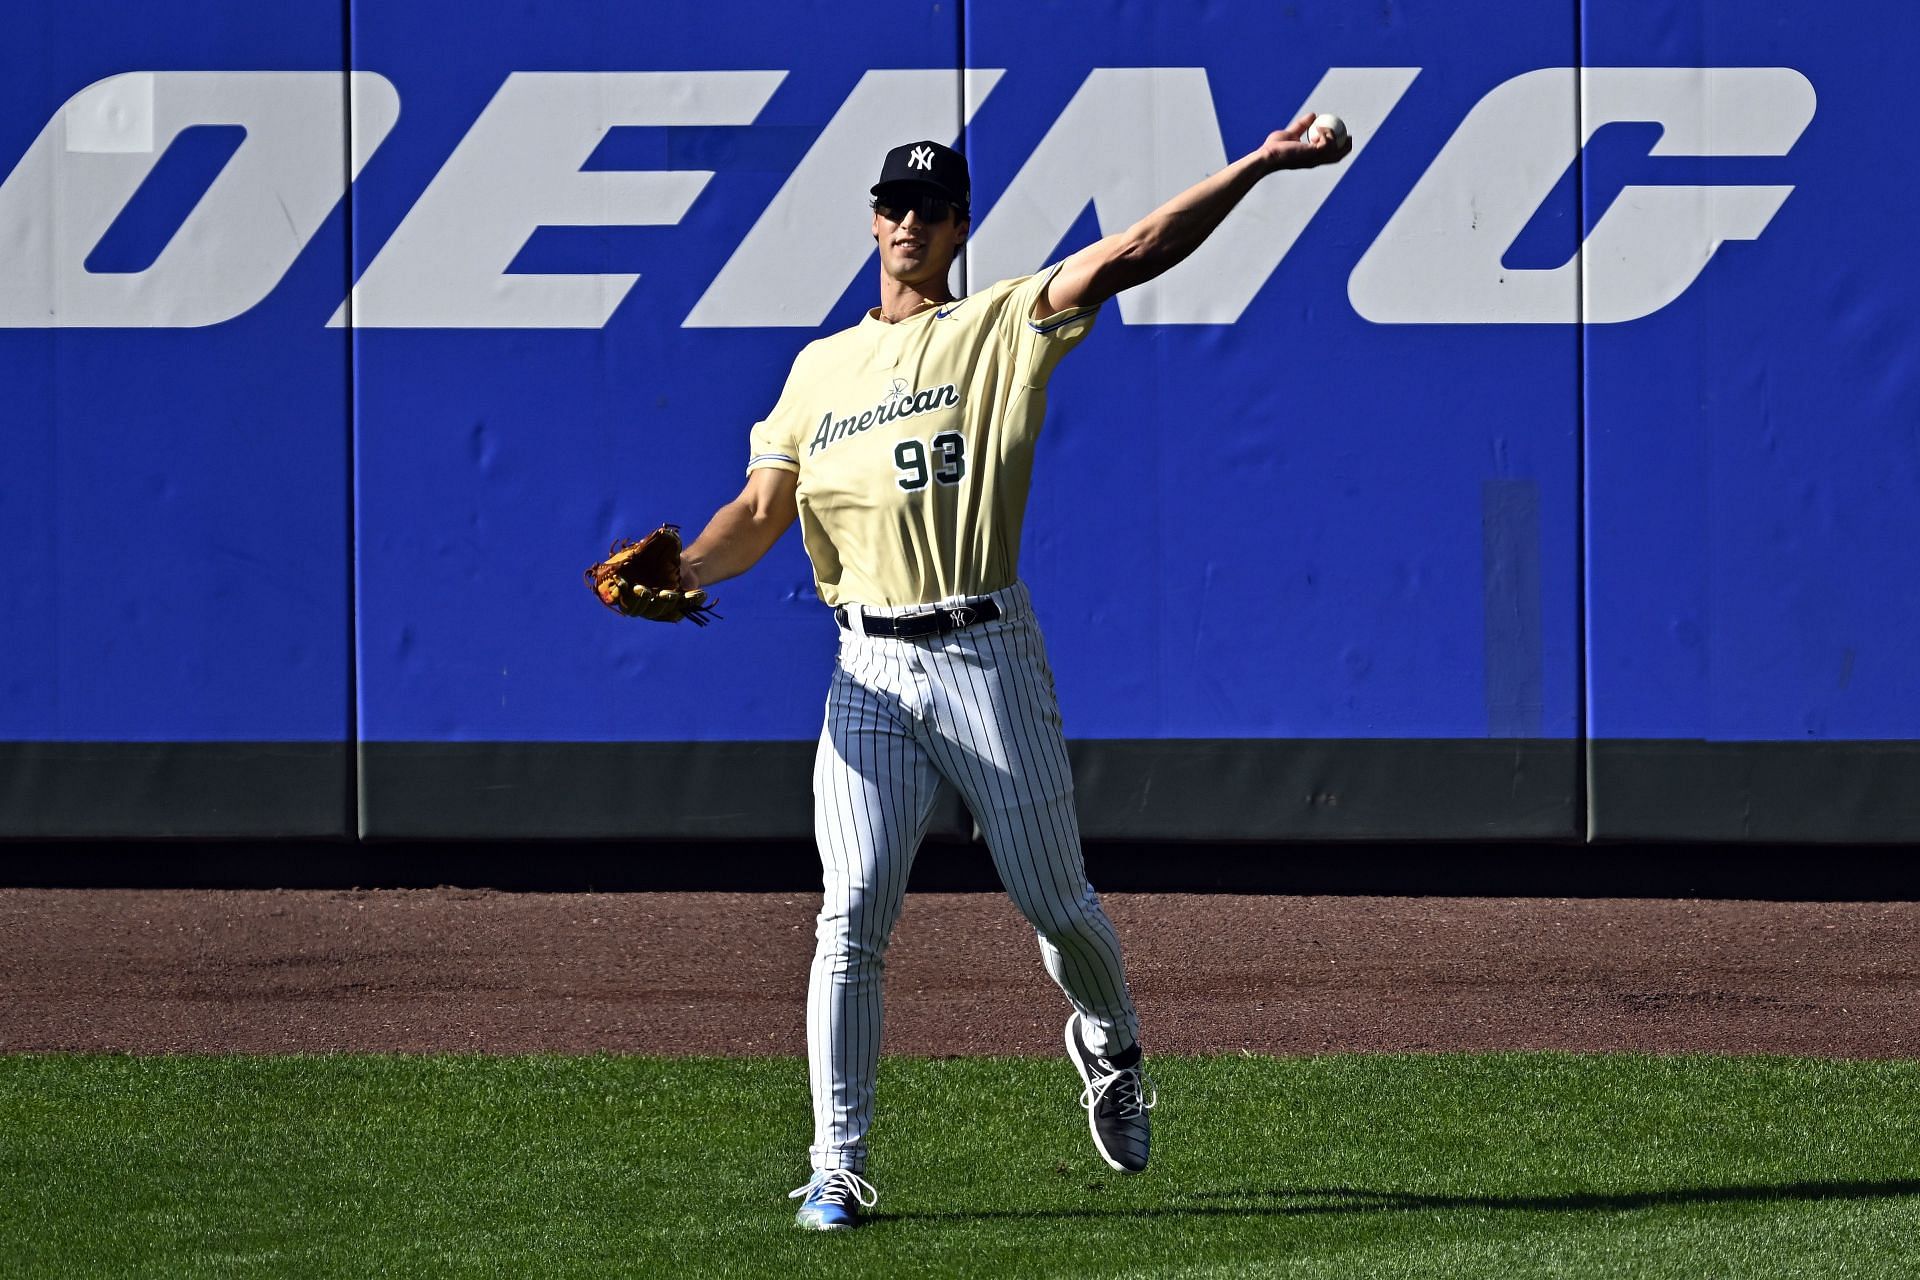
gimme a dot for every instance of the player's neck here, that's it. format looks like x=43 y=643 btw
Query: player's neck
x=900 y=300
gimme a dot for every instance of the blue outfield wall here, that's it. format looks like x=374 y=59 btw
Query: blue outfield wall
x=341 y=341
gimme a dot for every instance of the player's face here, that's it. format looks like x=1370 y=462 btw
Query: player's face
x=918 y=234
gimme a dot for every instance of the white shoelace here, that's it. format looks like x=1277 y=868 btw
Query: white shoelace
x=845 y=1182
x=1133 y=1094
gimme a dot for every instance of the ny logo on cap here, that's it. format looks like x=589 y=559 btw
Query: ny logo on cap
x=922 y=158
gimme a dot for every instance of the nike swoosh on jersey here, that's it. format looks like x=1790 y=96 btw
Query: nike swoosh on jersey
x=946 y=311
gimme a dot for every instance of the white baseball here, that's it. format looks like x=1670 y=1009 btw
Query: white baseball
x=1333 y=126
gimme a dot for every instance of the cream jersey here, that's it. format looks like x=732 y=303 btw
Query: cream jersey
x=914 y=444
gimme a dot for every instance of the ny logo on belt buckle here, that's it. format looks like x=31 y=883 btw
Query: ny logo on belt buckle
x=960 y=616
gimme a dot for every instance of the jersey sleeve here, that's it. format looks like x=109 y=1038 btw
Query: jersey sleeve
x=775 y=440
x=1039 y=344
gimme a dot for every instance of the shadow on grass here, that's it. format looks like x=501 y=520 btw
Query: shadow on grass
x=1307 y=1201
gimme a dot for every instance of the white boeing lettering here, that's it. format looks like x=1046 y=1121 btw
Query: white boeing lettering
x=806 y=238
x=1130 y=139
x=239 y=239
x=518 y=169
x=1438 y=260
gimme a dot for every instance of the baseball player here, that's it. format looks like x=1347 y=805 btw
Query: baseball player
x=904 y=446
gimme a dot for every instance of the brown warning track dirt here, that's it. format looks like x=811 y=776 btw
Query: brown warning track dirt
x=182 y=971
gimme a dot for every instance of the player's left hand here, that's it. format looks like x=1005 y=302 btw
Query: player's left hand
x=642 y=580
x=1294 y=148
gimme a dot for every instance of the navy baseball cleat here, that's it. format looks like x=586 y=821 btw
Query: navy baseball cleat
x=1117 y=1098
x=834 y=1198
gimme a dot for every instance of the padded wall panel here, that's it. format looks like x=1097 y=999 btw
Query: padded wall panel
x=509 y=429
x=1270 y=512
x=1753 y=467
x=173 y=455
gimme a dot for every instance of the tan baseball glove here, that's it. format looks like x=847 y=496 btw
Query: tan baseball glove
x=642 y=580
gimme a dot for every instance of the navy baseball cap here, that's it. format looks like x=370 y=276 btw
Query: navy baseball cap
x=927 y=164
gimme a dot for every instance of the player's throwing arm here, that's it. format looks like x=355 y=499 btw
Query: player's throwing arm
x=1168 y=235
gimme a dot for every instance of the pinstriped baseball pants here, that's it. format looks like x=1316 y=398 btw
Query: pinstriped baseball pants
x=976 y=707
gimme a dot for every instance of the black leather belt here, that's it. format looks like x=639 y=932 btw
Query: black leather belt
x=936 y=620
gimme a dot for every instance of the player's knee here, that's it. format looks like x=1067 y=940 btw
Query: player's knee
x=1062 y=922
x=1080 y=917
x=857 y=931
x=856 y=963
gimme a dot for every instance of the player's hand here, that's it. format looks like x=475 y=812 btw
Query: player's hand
x=689 y=580
x=1293 y=148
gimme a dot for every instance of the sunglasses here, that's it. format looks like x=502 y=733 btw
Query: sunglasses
x=932 y=209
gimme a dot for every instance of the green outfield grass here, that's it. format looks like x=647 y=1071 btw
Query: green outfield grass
x=1487 y=1166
